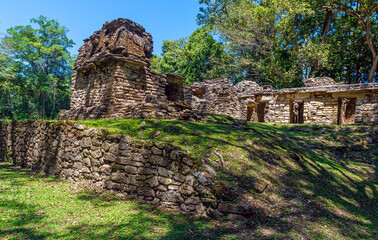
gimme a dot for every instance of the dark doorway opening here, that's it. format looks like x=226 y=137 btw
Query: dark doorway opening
x=296 y=111
x=172 y=91
x=249 y=113
x=261 y=111
x=347 y=111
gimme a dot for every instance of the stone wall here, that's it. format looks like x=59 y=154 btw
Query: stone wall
x=318 y=104
x=216 y=96
x=155 y=172
x=319 y=81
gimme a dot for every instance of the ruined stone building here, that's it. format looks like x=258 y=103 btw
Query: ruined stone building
x=321 y=101
x=113 y=80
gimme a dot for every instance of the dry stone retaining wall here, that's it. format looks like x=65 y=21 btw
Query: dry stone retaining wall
x=155 y=172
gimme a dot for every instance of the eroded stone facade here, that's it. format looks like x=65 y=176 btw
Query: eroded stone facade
x=113 y=78
x=319 y=103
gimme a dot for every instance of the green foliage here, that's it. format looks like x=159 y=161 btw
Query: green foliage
x=195 y=57
x=37 y=70
x=260 y=36
x=280 y=42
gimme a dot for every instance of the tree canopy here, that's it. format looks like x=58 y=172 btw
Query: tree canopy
x=277 y=42
x=194 y=57
x=35 y=70
x=280 y=41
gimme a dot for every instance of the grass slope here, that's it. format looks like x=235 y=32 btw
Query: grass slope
x=323 y=186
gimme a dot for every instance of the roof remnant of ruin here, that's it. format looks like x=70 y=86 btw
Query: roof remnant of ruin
x=121 y=38
x=318 y=81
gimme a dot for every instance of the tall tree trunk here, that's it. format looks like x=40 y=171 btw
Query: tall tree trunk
x=373 y=69
x=361 y=59
x=373 y=50
x=326 y=26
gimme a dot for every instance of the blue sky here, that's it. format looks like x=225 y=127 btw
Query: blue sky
x=164 y=19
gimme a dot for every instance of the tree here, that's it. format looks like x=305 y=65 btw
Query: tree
x=261 y=37
x=365 y=11
x=280 y=42
x=195 y=57
x=172 y=56
x=42 y=64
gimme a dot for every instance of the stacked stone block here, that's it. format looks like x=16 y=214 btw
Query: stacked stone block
x=155 y=172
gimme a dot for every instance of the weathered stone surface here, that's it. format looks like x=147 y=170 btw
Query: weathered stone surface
x=240 y=208
x=97 y=153
x=215 y=96
x=317 y=103
x=164 y=172
x=78 y=165
x=203 y=177
x=214 y=213
x=131 y=170
x=159 y=160
x=165 y=181
x=153 y=182
x=113 y=78
x=118 y=177
x=109 y=157
x=318 y=81
x=86 y=142
x=222 y=191
x=179 y=177
x=146 y=171
x=118 y=38
x=260 y=185
x=236 y=217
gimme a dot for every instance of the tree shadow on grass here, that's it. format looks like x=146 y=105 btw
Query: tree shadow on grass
x=311 y=190
x=315 y=188
x=17 y=224
x=142 y=222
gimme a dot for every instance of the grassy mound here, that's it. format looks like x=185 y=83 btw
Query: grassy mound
x=322 y=186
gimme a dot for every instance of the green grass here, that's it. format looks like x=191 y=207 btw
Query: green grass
x=33 y=206
x=322 y=186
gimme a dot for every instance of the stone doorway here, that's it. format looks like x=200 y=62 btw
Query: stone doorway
x=174 y=89
x=347 y=111
x=261 y=112
x=296 y=111
x=251 y=112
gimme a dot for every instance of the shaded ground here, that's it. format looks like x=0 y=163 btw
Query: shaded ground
x=33 y=206
x=323 y=185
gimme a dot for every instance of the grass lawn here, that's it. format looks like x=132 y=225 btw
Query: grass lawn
x=33 y=206
x=323 y=185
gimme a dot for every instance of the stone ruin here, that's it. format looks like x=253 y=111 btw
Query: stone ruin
x=318 y=81
x=114 y=80
x=322 y=101
x=215 y=96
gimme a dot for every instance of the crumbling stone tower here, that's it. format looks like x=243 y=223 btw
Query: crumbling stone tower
x=113 y=78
